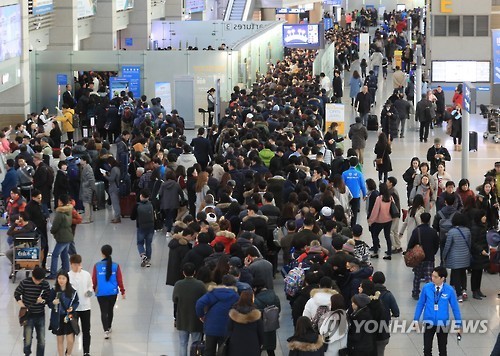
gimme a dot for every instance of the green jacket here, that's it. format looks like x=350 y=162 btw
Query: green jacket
x=61 y=226
x=266 y=155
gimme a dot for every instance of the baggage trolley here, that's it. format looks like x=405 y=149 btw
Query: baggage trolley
x=27 y=253
x=493 y=118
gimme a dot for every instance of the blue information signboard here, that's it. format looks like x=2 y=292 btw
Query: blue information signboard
x=41 y=7
x=133 y=75
x=495 y=36
x=117 y=85
x=129 y=41
x=467 y=97
x=62 y=79
x=328 y=23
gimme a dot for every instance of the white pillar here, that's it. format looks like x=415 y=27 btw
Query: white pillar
x=139 y=27
x=64 y=32
x=104 y=34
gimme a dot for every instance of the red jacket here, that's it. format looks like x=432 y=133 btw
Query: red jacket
x=226 y=237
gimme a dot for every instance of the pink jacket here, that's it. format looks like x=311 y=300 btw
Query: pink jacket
x=381 y=212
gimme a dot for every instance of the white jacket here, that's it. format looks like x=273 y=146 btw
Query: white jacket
x=82 y=283
x=319 y=297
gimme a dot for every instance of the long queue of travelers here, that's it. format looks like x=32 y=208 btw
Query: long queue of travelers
x=268 y=189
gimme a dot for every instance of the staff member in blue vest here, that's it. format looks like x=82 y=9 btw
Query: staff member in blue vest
x=355 y=181
x=107 y=280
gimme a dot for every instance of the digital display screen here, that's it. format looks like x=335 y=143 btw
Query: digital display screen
x=10 y=32
x=303 y=36
x=461 y=71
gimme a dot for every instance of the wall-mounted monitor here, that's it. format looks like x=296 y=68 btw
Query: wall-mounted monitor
x=309 y=36
x=193 y=6
x=10 y=32
x=122 y=5
x=86 y=8
x=461 y=71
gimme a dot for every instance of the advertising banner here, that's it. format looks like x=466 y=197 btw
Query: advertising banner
x=41 y=7
x=116 y=85
x=122 y=5
x=163 y=91
x=86 y=8
x=10 y=32
x=336 y=113
x=133 y=75
x=495 y=36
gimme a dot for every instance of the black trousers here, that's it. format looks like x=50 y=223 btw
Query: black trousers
x=442 y=336
x=106 y=304
x=424 y=130
x=84 y=317
x=212 y=343
x=458 y=279
x=475 y=280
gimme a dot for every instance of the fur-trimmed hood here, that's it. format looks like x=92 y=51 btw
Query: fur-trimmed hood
x=306 y=346
x=66 y=209
x=246 y=318
x=180 y=224
x=220 y=286
x=255 y=216
x=376 y=296
x=181 y=239
x=328 y=291
x=226 y=234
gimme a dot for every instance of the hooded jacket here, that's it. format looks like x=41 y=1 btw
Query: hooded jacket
x=319 y=297
x=225 y=237
x=67 y=120
x=61 y=226
x=311 y=344
x=246 y=329
x=198 y=254
x=214 y=308
x=179 y=246
x=170 y=192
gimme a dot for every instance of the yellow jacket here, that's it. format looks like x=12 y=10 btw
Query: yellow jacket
x=67 y=120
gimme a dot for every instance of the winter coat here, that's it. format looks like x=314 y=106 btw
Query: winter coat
x=186 y=160
x=186 y=292
x=355 y=84
x=262 y=300
x=178 y=248
x=170 y=192
x=87 y=184
x=428 y=194
x=479 y=244
x=334 y=330
x=456 y=253
x=67 y=120
x=61 y=185
x=319 y=297
x=388 y=300
x=262 y=269
x=429 y=241
x=225 y=237
x=246 y=332
x=197 y=255
x=360 y=342
x=358 y=135
x=383 y=152
x=60 y=310
x=61 y=226
x=299 y=302
x=214 y=308
x=390 y=122
x=266 y=155
x=310 y=344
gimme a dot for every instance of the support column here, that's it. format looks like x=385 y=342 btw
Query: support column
x=173 y=10
x=268 y=14
x=316 y=14
x=139 y=27
x=104 y=34
x=64 y=33
x=16 y=100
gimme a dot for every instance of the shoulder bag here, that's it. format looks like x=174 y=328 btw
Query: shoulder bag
x=72 y=319
x=394 y=211
x=414 y=256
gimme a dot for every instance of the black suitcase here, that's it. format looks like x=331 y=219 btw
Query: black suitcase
x=372 y=122
x=100 y=196
x=473 y=141
x=197 y=348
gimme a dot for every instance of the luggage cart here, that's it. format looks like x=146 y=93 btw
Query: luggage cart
x=27 y=254
x=493 y=118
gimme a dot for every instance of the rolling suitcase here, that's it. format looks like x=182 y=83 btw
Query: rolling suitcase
x=197 y=348
x=372 y=123
x=473 y=141
x=100 y=196
x=127 y=204
x=494 y=267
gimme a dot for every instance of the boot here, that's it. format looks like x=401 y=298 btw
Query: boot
x=476 y=295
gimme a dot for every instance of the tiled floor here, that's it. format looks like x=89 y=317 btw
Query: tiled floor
x=143 y=322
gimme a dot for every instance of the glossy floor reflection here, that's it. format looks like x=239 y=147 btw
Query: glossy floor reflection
x=144 y=321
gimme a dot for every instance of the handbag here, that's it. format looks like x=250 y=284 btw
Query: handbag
x=394 y=211
x=223 y=349
x=74 y=324
x=380 y=161
x=414 y=256
x=23 y=316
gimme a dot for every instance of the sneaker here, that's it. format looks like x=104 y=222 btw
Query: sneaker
x=148 y=263
x=374 y=255
x=460 y=299
x=465 y=296
x=167 y=235
x=387 y=258
x=144 y=260
x=106 y=334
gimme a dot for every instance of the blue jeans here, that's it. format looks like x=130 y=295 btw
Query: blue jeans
x=61 y=248
x=145 y=236
x=364 y=119
x=375 y=71
x=184 y=340
x=36 y=322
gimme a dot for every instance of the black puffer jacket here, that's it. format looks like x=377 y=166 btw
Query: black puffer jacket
x=478 y=245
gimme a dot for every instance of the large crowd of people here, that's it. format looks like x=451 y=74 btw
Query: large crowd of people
x=266 y=189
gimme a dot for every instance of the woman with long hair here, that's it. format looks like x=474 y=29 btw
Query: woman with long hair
x=464 y=191
x=342 y=193
x=221 y=269
x=335 y=326
x=355 y=83
x=479 y=251
x=108 y=282
x=201 y=189
x=113 y=178
x=413 y=219
x=410 y=174
x=488 y=201
x=425 y=190
x=192 y=176
x=381 y=219
x=305 y=341
x=56 y=135
x=64 y=303
x=441 y=177
x=383 y=161
x=245 y=327
x=425 y=171
x=371 y=196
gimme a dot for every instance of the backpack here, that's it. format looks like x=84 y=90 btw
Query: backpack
x=270 y=318
x=294 y=281
x=320 y=316
x=127 y=115
x=444 y=225
x=73 y=170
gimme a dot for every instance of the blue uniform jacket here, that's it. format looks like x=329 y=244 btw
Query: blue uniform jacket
x=355 y=182
x=440 y=317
